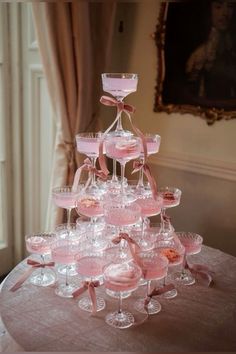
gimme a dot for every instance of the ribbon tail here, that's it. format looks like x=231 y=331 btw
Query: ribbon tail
x=22 y=279
x=79 y=291
x=151 y=181
x=76 y=179
x=92 y=295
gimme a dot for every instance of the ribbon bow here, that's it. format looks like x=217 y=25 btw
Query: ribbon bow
x=201 y=272
x=137 y=166
x=128 y=110
x=28 y=272
x=87 y=166
x=157 y=292
x=133 y=246
x=90 y=286
x=121 y=106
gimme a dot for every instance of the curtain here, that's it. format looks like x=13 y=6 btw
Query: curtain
x=75 y=42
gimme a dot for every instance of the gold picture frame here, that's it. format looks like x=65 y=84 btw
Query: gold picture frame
x=171 y=101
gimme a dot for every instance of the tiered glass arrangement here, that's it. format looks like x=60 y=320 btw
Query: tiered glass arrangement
x=113 y=244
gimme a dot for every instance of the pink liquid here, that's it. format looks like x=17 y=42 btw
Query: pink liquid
x=89 y=207
x=149 y=206
x=65 y=200
x=119 y=87
x=170 y=199
x=91 y=267
x=152 y=145
x=64 y=253
x=88 y=146
x=120 y=279
x=123 y=150
x=153 y=270
x=38 y=245
x=121 y=216
x=191 y=246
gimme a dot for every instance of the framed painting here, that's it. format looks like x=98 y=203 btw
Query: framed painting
x=196 y=46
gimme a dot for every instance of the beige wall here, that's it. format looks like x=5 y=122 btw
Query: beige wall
x=197 y=158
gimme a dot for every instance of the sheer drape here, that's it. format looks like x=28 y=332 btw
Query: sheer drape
x=74 y=41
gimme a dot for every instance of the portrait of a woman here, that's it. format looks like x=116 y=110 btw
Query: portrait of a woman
x=200 y=54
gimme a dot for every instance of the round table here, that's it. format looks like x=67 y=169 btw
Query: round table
x=200 y=318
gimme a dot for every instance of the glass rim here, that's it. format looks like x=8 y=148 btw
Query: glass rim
x=119 y=75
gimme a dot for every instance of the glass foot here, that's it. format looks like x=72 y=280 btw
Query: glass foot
x=86 y=304
x=170 y=294
x=46 y=279
x=66 y=291
x=120 y=320
x=183 y=277
x=116 y=295
x=153 y=307
x=71 y=270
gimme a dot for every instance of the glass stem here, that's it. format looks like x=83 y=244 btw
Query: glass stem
x=114 y=175
x=43 y=261
x=184 y=263
x=120 y=304
x=148 y=287
x=67 y=275
x=68 y=218
x=93 y=159
x=163 y=213
x=119 y=123
x=122 y=170
x=140 y=179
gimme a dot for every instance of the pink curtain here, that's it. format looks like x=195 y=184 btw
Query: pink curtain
x=74 y=41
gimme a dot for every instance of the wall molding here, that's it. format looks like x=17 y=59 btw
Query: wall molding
x=199 y=165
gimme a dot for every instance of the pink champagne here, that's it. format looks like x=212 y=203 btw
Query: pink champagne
x=91 y=266
x=153 y=269
x=121 y=216
x=64 y=252
x=191 y=246
x=38 y=245
x=119 y=87
x=149 y=206
x=65 y=200
x=89 y=206
x=122 y=149
x=88 y=146
x=170 y=199
x=121 y=277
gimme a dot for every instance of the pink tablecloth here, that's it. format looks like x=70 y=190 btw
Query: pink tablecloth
x=198 y=319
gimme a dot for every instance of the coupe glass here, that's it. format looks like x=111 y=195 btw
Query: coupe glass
x=154 y=267
x=153 y=143
x=65 y=198
x=171 y=198
x=123 y=149
x=119 y=85
x=75 y=232
x=88 y=144
x=173 y=250
x=192 y=243
x=63 y=252
x=120 y=278
x=40 y=244
x=90 y=268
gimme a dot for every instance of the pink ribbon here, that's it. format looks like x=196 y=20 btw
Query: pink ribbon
x=201 y=272
x=87 y=166
x=128 y=110
x=90 y=286
x=139 y=165
x=157 y=292
x=133 y=246
x=34 y=264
